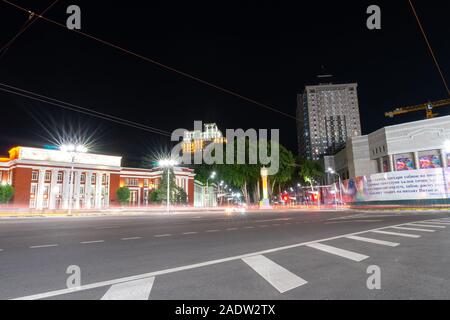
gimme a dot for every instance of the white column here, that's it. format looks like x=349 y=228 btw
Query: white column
x=53 y=185
x=40 y=193
x=107 y=190
x=76 y=192
x=444 y=159
x=98 y=190
x=66 y=188
x=88 y=190
x=416 y=160
x=391 y=163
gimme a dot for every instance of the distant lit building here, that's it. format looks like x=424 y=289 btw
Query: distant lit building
x=328 y=115
x=197 y=140
x=42 y=179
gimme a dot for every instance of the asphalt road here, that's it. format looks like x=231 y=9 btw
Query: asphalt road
x=270 y=255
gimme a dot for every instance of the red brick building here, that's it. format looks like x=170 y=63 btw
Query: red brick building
x=47 y=179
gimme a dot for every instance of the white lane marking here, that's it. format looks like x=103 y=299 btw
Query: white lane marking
x=406 y=235
x=413 y=229
x=339 y=252
x=438 y=223
x=131 y=238
x=192 y=232
x=425 y=225
x=249 y=227
x=352 y=221
x=232 y=229
x=263 y=226
x=54 y=293
x=132 y=290
x=43 y=246
x=280 y=219
x=212 y=231
x=104 y=228
x=375 y=241
x=94 y=241
x=1 y=250
x=282 y=279
x=162 y=235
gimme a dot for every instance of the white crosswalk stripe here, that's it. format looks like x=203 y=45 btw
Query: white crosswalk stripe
x=412 y=229
x=437 y=222
x=282 y=279
x=425 y=225
x=406 y=235
x=131 y=290
x=375 y=241
x=339 y=252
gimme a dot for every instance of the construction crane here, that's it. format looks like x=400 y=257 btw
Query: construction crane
x=428 y=107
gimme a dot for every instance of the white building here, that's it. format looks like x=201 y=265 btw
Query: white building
x=400 y=162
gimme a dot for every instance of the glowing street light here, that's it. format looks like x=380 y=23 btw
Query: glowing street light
x=168 y=163
x=331 y=171
x=73 y=150
x=212 y=176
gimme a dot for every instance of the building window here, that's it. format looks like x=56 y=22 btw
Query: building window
x=103 y=178
x=93 y=178
x=146 y=183
x=48 y=176
x=34 y=175
x=132 y=182
x=60 y=177
x=83 y=178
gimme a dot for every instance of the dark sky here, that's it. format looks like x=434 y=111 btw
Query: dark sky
x=265 y=50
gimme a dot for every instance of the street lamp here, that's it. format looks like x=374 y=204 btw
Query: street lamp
x=212 y=176
x=73 y=150
x=331 y=171
x=168 y=163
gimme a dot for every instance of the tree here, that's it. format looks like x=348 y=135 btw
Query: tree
x=155 y=196
x=177 y=194
x=310 y=170
x=286 y=169
x=123 y=195
x=6 y=193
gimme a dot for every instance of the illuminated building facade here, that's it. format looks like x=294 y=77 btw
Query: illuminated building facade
x=43 y=179
x=197 y=140
x=328 y=114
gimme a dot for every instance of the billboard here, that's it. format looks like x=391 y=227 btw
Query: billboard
x=424 y=184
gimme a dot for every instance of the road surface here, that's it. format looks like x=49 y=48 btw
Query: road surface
x=267 y=255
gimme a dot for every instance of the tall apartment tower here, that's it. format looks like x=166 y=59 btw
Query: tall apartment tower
x=328 y=115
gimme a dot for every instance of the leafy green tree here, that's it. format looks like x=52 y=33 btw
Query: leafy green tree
x=310 y=170
x=123 y=195
x=155 y=196
x=286 y=169
x=6 y=193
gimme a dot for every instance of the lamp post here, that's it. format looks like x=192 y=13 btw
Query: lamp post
x=73 y=152
x=331 y=171
x=168 y=163
x=212 y=176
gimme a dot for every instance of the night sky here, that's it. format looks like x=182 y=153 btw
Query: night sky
x=265 y=50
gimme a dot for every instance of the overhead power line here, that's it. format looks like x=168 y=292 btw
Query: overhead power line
x=79 y=109
x=164 y=66
x=429 y=47
x=31 y=19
